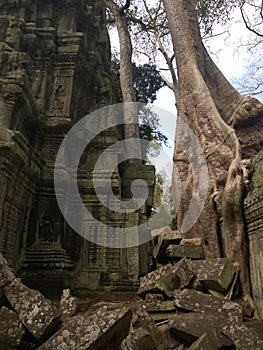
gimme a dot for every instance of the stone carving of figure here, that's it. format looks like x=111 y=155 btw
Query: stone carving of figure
x=46 y=228
x=59 y=100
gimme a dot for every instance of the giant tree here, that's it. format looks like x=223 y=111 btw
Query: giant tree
x=228 y=127
x=131 y=125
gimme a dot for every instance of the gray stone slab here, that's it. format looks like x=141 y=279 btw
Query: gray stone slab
x=244 y=338
x=215 y=274
x=37 y=313
x=11 y=328
x=208 y=341
x=168 y=341
x=144 y=333
x=166 y=236
x=166 y=279
x=192 y=300
x=103 y=330
x=161 y=306
x=188 y=327
x=185 y=251
x=162 y=316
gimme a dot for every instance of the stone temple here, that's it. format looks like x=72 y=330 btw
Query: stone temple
x=54 y=70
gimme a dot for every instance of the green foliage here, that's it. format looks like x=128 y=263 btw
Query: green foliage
x=146 y=83
x=158 y=192
x=150 y=130
x=211 y=12
x=161 y=203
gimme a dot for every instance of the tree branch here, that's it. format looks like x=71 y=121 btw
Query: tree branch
x=125 y=7
x=246 y=23
x=169 y=62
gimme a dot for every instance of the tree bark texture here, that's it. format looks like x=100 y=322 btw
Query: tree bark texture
x=131 y=127
x=228 y=127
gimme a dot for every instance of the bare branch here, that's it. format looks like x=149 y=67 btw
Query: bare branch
x=169 y=62
x=247 y=25
x=125 y=7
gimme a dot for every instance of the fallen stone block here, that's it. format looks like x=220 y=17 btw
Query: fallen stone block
x=257 y=326
x=161 y=306
x=145 y=340
x=244 y=338
x=144 y=333
x=11 y=329
x=153 y=297
x=36 y=313
x=103 y=330
x=6 y=274
x=166 y=236
x=215 y=274
x=168 y=341
x=161 y=311
x=208 y=341
x=162 y=316
x=139 y=339
x=166 y=279
x=185 y=251
x=188 y=327
x=192 y=300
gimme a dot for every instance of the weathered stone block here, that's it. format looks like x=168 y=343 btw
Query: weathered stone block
x=144 y=333
x=167 y=339
x=167 y=305
x=166 y=279
x=11 y=329
x=185 y=251
x=37 y=313
x=190 y=326
x=192 y=300
x=161 y=310
x=140 y=339
x=215 y=274
x=207 y=341
x=243 y=337
x=166 y=236
x=6 y=274
x=104 y=330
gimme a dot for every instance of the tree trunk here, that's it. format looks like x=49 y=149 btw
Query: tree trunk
x=131 y=123
x=228 y=127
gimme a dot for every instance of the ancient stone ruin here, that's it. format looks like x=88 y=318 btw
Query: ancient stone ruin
x=185 y=305
x=58 y=290
x=54 y=71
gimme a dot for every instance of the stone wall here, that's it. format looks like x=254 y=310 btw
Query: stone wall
x=253 y=206
x=54 y=69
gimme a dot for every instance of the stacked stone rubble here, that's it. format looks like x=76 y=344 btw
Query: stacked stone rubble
x=199 y=314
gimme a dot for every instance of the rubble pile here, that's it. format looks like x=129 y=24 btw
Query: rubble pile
x=196 y=302
x=183 y=304
x=30 y=321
